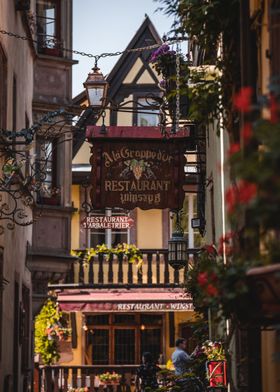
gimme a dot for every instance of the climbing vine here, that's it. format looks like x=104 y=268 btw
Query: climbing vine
x=132 y=253
x=50 y=328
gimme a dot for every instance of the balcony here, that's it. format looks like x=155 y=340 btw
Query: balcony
x=117 y=272
x=62 y=378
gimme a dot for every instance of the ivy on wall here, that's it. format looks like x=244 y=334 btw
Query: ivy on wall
x=50 y=328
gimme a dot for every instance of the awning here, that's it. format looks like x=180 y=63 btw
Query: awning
x=125 y=301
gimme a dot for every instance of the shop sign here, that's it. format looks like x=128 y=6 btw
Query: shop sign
x=152 y=307
x=133 y=173
x=140 y=306
x=120 y=222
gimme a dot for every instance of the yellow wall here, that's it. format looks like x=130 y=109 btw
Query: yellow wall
x=78 y=354
x=75 y=224
x=83 y=155
x=179 y=318
x=133 y=71
x=149 y=229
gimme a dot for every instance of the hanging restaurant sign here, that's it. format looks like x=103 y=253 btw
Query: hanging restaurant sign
x=107 y=222
x=138 y=172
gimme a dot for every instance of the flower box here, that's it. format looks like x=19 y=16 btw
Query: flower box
x=217 y=373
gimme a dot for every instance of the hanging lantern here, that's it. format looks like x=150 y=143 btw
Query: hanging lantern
x=178 y=247
x=96 y=87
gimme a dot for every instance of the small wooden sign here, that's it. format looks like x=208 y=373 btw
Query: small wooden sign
x=120 y=222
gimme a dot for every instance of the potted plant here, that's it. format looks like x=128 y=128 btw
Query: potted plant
x=110 y=378
x=164 y=61
x=216 y=363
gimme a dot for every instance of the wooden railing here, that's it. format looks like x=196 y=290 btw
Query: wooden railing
x=62 y=378
x=117 y=271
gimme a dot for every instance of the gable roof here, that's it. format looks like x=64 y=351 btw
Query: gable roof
x=146 y=35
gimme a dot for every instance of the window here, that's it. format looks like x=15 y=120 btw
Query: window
x=25 y=328
x=3 y=89
x=15 y=111
x=146 y=116
x=110 y=237
x=100 y=346
x=48 y=26
x=122 y=338
x=46 y=171
x=189 y=207
x=124 y=346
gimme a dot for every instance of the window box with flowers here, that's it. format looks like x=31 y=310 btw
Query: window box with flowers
x=110 y=378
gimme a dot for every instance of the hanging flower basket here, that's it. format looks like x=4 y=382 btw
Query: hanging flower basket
x=216 y=371
x=164 y=62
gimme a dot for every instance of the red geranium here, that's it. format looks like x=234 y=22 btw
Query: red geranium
x=202 y=278
x=242 y=100
x=211 y=290
x=273 y=109
x=247 y=191
x=243 y=193
x=210 y=249
x=227 y=243
x=233 y=149
x=246 y=132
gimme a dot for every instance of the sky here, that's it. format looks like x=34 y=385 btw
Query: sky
x=108 y=26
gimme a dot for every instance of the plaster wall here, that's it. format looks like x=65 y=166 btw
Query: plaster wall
x=20 y=59
x=217 y=146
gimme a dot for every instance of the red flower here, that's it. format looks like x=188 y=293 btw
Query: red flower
x=246 y=132
x=247 y=191
x=210 y=249
x=273 y=109
x=243 y=193
x=231 y=199
x=233 y=149
x=213 y=277
x=242 y=100
x=202 y=278
x=211 y=290
x=226 y=242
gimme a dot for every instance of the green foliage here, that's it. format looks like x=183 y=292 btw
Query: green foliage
x=131 y=251
x=221 y=287
x=258 y=163
x=211 y=26
x=46 y=344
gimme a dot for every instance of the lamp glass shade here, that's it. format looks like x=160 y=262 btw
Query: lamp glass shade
x=95 y=96
x=96 y=87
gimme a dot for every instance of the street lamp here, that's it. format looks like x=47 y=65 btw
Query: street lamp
x=177 y=247
x=96 y=87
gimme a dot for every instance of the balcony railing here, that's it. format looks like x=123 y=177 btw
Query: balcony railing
x=116 y=271
x=62 y=378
